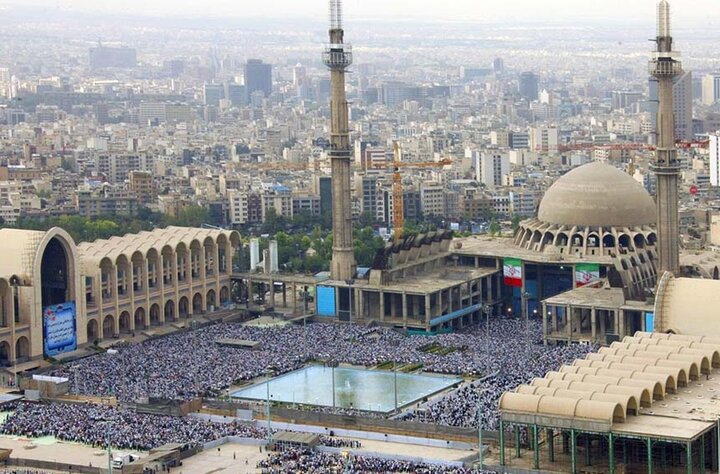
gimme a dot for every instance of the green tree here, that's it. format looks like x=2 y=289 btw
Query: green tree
x=494 y=228
x=516 y=222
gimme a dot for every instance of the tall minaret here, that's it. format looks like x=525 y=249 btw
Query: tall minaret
x=338 y=57
x=665 y=67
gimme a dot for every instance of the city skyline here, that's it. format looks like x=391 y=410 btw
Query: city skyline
x=556 y=11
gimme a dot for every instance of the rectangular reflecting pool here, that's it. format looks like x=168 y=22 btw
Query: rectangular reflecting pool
x=372 y=390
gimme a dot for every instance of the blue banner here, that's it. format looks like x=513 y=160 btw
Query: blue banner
x=649 y=322
x=326 y=301
x=59 y=328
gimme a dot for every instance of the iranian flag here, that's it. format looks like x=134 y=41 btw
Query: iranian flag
x=512 y=271
x=585 y=273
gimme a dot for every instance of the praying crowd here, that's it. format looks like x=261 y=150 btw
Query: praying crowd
x=92 y=424
x=311 y=462
x=512 y=363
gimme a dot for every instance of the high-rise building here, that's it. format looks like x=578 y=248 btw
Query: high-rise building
x=258 y=77
x=106 y=56
x=394 y=93
x=492 y=167
x=529 y=86
x=299 y=75
x=499 y=65
x=236 y=94
x=213 y=94
x=711 y=89
x=683 y=105
x=625 y=99
x=715 y=159
x=432 y=199
x=544 y=139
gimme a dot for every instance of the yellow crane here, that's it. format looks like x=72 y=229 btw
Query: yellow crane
x=397 y=188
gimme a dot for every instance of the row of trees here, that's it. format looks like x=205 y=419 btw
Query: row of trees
x=88 y=229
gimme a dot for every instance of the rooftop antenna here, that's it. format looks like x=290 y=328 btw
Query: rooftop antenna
x=336 y=13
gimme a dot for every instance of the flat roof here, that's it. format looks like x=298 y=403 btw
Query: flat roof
x=660 y=427
x=296 y=438
x=426 y=282
x=586 y=296
x=240 y=343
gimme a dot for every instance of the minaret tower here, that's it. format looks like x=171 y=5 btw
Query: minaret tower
x=338 y=57
x=664 y=66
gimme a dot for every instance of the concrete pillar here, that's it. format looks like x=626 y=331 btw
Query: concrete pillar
x=616 y=316
x=382 y=306
x=428 y=310
x=569 y=321
x=272 y=293
x=621 y=326
x=545 y=323
x=593 y=323
x=404 y=309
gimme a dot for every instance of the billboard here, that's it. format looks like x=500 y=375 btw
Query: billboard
x=512 y=271
x=326 y=301
x=649 y=322
x=59 y=328
x=585 y=273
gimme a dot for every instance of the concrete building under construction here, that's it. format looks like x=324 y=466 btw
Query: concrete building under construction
x=588 y=265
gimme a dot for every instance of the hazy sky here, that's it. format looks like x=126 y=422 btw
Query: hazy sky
x=565 y=11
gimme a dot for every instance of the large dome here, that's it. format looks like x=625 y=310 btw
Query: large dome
x=597 y=195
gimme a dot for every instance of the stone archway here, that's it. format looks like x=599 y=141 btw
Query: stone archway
x=4 y=353
x=125 y=326
x=155 y=315
x=184 y=307
x=210 y=300
x=22 y=349
x=169 y=310
x=140 y=318
x=197 y=303
x=224 y=295
x=92 y=331
x=108 y=326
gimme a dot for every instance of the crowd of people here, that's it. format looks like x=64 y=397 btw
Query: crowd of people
x=333 y=442
x=311 y=462
x=92 y=424
x=188 y=364
x=512 y=362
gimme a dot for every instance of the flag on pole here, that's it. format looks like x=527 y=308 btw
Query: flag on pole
x=585 y=273
x=512 y=271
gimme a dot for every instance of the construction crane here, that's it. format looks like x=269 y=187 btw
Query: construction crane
x=397 y=187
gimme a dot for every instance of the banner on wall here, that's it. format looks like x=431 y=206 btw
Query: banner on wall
x=326 y=301
x=585 y=273
x=59 y=328
x=512 y=272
